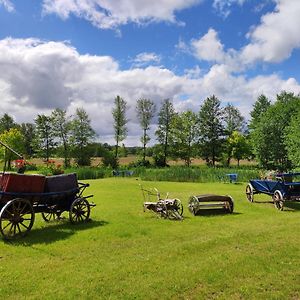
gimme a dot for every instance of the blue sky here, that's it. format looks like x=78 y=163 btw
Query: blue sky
x=82 y=53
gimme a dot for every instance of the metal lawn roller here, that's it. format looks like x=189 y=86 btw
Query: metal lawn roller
x=209 y=201
x=166 y=208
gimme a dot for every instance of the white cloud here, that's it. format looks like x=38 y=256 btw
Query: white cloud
x=208 y=47
x=7 y=5
x=274 y=39
x=38 y=76
x=107 y=14
x=193 y=73
x=146 y=58
x=223 y=7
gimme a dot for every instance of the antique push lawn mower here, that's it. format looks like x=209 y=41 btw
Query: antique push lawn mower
x=206 y=202
x=22 y=196
x=166 y=208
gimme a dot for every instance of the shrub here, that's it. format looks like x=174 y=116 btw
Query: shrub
x=109 y=160
x=140 y=163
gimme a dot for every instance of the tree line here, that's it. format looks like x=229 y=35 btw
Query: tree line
x=55 y=134
x=214 y=133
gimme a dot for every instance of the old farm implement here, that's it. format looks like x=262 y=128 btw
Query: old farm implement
x=165 y=207
x=284 y=187
x=22 y=196
x=208 y=202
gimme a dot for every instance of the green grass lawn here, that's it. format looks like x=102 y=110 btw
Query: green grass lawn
x=125 y=253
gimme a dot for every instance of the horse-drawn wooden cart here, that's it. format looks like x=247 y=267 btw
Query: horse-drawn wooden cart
x=22 y=196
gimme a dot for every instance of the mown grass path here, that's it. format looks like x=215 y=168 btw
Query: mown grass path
x=125 y=253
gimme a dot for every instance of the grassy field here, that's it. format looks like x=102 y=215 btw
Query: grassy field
x=125 y=253
x=124 y=161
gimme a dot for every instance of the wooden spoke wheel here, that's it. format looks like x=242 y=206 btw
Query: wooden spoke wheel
x=178 y=206
x=50 y=216
x=193 y=203
x=249 y=193
x=16 y=218
x=79 y=211
x=278 y=200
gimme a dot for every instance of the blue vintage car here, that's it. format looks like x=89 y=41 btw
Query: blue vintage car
x=284 y=187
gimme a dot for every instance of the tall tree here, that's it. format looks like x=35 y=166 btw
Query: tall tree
x=7 y=122
x=184 y=136
x=44 y=138
x=120 y=121
x=268 y=138
x=165 y=117
x=211 y=129
x=81 y=135
x=233 y=120
x=259 y=108
x=62 y=129
x=292 y=140
x=145 y=110
x=239 y=146
x=28 y=131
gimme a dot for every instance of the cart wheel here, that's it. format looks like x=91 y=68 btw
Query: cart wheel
x=16 y=218
x=278 y=200
x=193 y=203
x=173 y=214
x=178 y=206
x=174 y=210
x=249 y=192
x=161 y=209
x=50 y=216
x=79 y=211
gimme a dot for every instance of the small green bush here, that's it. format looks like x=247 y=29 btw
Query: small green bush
x=109 y=160
x=140 y=163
